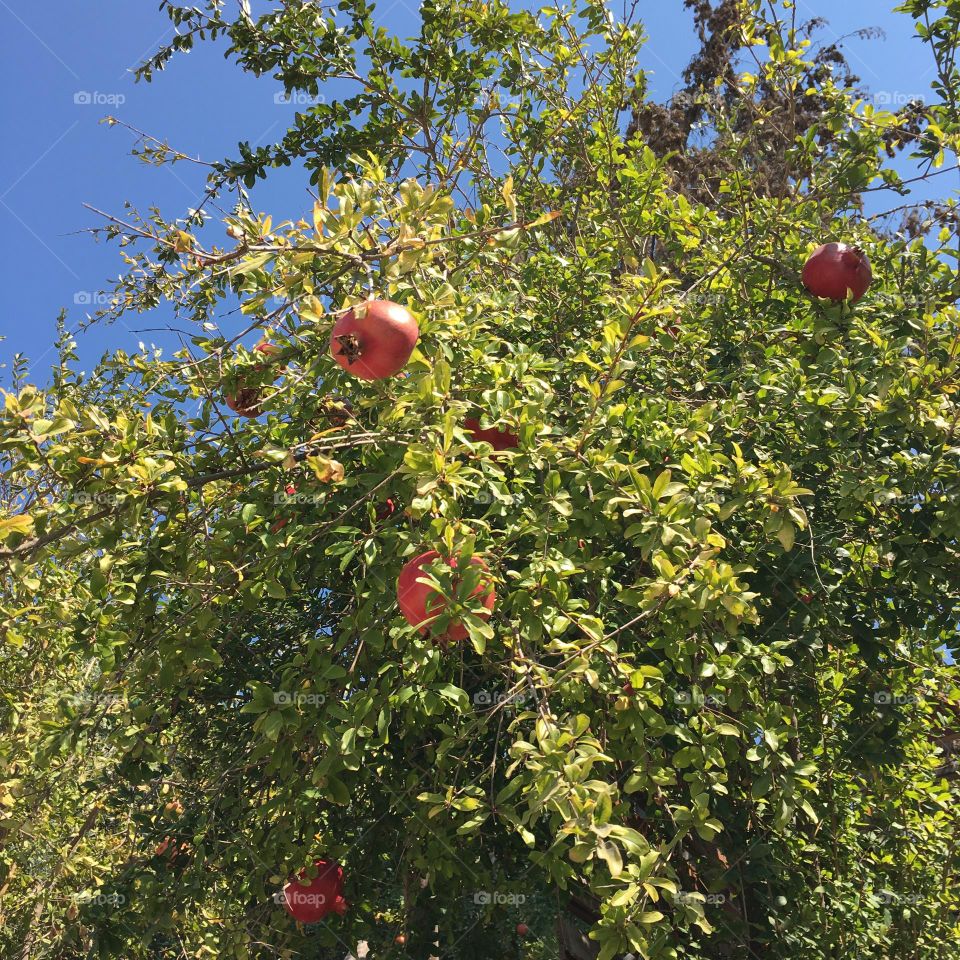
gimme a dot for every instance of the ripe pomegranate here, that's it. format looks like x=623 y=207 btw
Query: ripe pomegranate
x=628 y=690
x=522 y=929
x=835 y=270
x=420 y=603
x=399 y=939
x=498 y=439
x=374 y=340
x=312 y=901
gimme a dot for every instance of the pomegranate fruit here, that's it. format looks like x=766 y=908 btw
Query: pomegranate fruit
x=498 y=439
x=374 y=340
x=247 y=399
x=312 y=901
x=268 y=350
x=245 y=402
x=385 y=509
x=420 y=603
x=338 y=411
x=522 y=929
x=835 y=271
x=175 y=852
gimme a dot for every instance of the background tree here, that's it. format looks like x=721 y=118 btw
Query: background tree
x=704 y=718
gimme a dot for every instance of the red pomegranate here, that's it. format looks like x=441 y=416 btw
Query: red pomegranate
x=522 y=929
x=498 y=439
x=835 y=270
x=312 y=901
x=420 y=603
x=374 y=340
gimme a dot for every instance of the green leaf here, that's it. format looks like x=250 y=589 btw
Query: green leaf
x=610 y=853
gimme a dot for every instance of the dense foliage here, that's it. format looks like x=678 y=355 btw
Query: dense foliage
x=712 y=701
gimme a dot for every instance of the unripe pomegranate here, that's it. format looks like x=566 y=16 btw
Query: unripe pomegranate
x=420 y=603
x=374 y=340
x=836 y=270
x=498 y=439
x=312 y=901
x=338 y=411
x=247 y=399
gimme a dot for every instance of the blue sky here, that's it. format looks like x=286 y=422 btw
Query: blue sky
x=59 y=54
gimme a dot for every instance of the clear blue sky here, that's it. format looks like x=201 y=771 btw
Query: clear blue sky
x=58 y=155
